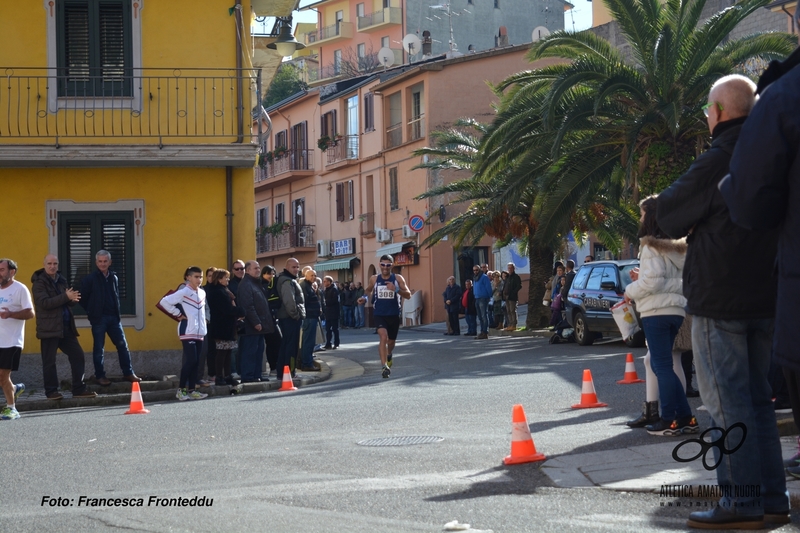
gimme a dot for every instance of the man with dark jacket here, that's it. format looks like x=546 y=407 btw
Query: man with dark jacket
x=237 y=275
x=510 y=291
x=55 y=327
x=100 y=299
x=274 y=339
x=452 y=303
x=731 y=327
x=331 y=313
x=257 y=323
x=569 y=277
x=349 y=301
x=313 y=307
x=291 y=315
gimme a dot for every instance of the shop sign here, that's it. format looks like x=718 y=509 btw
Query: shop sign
x=407 y=257
x=343 y=247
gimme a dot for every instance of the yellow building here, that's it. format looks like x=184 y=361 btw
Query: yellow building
x=126 y=125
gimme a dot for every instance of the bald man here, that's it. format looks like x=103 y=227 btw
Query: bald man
x=53 y=299
x=732 y=323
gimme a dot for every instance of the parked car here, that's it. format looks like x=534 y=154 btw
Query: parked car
x=597 y=287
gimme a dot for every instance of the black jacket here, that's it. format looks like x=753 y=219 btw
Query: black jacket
x=728 y=270
x=470 y=309
x=763 y=191
x=332 y=303
x=454 y=295
x=93 y=294
x=224 y=313
x=52 y=306
x=311 y=300
x=252 y=300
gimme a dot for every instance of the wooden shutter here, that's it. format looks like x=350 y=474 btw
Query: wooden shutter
x=340 y=201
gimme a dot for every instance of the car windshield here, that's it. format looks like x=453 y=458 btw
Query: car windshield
x=625 y=275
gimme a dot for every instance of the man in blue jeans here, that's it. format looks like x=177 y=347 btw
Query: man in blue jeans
x=732 y=324
x=100 y=299
x=482 y=290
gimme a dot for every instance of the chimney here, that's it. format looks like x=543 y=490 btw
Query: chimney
x=502 y=38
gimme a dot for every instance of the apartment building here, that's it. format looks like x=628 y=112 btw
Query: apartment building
x=337 y=187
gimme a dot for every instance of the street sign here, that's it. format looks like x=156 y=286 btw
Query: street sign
x=416 y=223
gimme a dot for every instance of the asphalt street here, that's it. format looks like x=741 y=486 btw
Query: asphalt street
x=291 y=461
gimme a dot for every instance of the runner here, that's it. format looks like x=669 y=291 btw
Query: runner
x=15 y=308
x=386 y=308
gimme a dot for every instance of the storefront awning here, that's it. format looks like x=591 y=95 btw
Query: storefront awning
x=391 y=249
x=342 y=263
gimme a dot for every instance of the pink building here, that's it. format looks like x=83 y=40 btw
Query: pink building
x=337 y=188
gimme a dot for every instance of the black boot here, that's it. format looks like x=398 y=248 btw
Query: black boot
x=686 y=363
x=649 y=415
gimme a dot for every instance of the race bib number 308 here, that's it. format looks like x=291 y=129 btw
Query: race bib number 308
x=385 y=294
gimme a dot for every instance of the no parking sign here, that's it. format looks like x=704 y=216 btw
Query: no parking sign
x=416 y=223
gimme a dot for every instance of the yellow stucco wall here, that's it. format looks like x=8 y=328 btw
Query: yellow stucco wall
x=184 y=225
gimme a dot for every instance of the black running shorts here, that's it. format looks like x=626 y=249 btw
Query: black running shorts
x=390 y=323
x=9 y=358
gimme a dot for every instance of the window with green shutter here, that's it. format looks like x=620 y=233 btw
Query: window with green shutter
x=82 y=234
x=94 y=48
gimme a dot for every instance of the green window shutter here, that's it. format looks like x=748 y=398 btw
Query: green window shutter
x=81 y=235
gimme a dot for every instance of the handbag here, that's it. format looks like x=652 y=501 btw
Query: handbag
x=625 y=319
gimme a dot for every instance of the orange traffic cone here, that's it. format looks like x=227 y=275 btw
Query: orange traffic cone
x=630 y=372
x=522 y=448
x=588 y=396
x=286 y=383
x=137 y=405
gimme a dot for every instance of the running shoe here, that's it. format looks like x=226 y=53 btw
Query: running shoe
x=794 y=460
x=664 y=428
x=389 y=360
x=194 y=395
x=182 y=395
x=9 y=414
x=689 y=425
x=386 y=371
x=19 y=388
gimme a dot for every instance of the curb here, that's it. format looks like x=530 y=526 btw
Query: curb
x=165 y=391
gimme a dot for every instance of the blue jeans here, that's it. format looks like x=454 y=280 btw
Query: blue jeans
x=191 y=354
x=660 y=332
x=113 y=327
x=290 y=344
x=310 y=326
x=349 y=317
x=251 y=354
x=472 y=324
x=732 y=358
x=359 y=309
x=482 y=304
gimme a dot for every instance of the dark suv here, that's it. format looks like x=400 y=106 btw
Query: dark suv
x=597 y=287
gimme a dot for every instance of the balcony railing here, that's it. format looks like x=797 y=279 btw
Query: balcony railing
x=340 y=29
x=416 y=128
x=159 y=104
x=367 y=223
x=394 y=135
x=294 y=160
x=345 y=148
x=291 y=237
x=388 y=15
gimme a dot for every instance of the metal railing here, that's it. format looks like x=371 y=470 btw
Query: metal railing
x=156 y=104
x=388 y=14
x=292 y=237
x=394 y=135
x=416 y=128
x=344 y=148
x=344 y=29
x=367 y=223
x=294 y=160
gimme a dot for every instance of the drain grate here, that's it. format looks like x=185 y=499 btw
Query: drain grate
x=400 y=441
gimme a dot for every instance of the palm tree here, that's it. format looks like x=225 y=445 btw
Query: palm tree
x=601 y=126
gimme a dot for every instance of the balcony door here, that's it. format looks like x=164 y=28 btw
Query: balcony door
x=300 y=146
x=352 y=127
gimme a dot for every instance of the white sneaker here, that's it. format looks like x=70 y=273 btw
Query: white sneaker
x=9 y=414
x=194 y=395
x=182 y=395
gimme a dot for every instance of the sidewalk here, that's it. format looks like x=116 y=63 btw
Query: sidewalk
x=646 y=469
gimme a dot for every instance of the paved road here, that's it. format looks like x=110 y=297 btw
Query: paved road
x=290 y=462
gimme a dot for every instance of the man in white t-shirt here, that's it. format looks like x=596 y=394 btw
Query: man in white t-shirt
x=15 y=308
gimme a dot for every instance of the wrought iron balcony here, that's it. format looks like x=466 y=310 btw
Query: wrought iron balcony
x=378 y=19
x=367 y=223
x=292 y=236
x=146 y=106
x=334 y=32
x=343 y=149
x=292 y=161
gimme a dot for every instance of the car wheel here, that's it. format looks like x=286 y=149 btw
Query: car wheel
x=583 y=336
x=637 y=341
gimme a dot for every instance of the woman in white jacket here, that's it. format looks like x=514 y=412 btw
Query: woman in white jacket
x=658 y=293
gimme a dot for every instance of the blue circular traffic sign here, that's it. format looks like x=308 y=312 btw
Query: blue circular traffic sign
x=416 y=223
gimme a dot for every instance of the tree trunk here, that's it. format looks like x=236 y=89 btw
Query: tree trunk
x=541 y=267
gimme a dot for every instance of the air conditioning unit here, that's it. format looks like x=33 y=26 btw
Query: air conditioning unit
x=408 y=233
x=323 y=248
x=383 y=235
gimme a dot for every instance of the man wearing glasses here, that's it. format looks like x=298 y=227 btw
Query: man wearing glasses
x=237 y=269
x=384 y=289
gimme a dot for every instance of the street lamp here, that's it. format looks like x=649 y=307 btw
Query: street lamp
x=286 y=44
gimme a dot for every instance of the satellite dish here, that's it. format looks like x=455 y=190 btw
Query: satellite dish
x=539 y=32
x=386 y=57
x=411 y=44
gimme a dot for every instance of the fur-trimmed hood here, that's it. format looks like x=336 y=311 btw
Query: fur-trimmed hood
x=665 y=246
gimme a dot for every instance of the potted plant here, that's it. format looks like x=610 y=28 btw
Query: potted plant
x=280 y=152
x=323 y=143
x=277 y=228
x=264 y=158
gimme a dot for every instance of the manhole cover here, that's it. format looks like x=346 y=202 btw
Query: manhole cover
x=400 y=441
